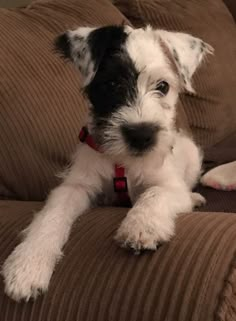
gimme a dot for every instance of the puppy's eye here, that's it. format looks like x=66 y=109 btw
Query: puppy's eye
x=163 y=88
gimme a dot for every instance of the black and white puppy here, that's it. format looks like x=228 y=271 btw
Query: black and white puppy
x=132 y=79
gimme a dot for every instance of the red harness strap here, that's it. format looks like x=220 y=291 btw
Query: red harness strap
x=85 y=137
x=121 y=186
x=119 y=181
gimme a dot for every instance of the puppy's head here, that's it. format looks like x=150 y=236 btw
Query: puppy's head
x=132 y=78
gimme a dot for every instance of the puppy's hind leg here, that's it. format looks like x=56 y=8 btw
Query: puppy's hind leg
x=28 y=269
x=188 y=159
x=189 y=162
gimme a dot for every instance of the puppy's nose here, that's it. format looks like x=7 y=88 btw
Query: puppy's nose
x=140 y=137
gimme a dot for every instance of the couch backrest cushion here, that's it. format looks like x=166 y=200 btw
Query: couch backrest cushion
x=231 y=4
x=41 y=104
x=211 y=113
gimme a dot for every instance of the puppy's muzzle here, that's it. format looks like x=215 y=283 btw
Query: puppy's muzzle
x=140 y=137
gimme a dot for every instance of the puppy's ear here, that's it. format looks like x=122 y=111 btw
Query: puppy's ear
x=187 y=51
x=87 y=47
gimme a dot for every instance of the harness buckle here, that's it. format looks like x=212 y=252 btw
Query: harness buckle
x=120 y=184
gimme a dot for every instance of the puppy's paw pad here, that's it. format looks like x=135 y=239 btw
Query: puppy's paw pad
x=27 y=273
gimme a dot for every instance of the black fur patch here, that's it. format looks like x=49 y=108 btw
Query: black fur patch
x=115 y=82
x=105 y=40
x=62 y=45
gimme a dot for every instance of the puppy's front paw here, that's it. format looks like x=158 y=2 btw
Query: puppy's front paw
x=27 y=272
x=198 y=200
x=140 y=233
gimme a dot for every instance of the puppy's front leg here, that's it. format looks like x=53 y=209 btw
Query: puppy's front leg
x=151 y=220
x=27 y=271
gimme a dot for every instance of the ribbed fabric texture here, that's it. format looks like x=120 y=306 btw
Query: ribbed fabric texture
x=221 y=153
x=190 y=279
x=231 y=4
x=211 y=113
x=217 y=201
x=42 y=107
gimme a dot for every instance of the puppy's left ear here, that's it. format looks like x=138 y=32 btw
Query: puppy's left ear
x=187 y=52
x=87 y=47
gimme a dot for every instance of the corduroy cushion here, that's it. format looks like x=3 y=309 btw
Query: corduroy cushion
x=211 y=113
x=231 y=4
x=193 y=278
x=221 y=153
x=41 y=104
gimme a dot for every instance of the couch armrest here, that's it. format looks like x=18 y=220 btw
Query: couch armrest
x=190 y=279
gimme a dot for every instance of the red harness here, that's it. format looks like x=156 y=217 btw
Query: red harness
x=119 y=181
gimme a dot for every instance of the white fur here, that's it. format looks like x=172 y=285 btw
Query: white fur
x=188 y=52
x=84 y=61
x=160 y=182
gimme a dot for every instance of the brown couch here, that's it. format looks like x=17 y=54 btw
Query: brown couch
x=192 y=278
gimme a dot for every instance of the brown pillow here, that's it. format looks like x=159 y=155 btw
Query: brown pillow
x=41 y=104
x=211 y=113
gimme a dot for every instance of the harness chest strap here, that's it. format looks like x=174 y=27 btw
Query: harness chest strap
x=119 y=180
